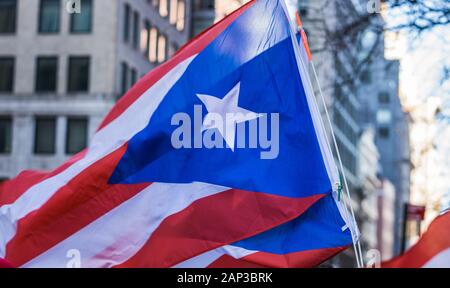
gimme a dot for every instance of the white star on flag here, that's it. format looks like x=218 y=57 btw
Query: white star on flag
x=228 y=106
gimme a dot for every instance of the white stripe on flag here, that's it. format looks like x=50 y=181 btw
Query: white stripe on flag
x=107 y=140
x=441 y=260
x=207 y=258
x=126 y=228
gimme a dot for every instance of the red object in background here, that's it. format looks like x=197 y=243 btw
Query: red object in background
x=432 y=250
x=416 y=213
x=5 y=264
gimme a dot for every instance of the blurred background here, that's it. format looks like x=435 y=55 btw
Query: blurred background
x=383 y=67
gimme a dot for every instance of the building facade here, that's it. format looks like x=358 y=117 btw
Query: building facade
x=64 y=63
x=383 y=110
x=386 y=219
x=368 y=163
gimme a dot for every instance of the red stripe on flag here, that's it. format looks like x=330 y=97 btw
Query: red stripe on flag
x=302 y=259
x=84 y=199
x=215 y=221
x=434 y=241
x=193 y=47
x=5 y=264
x=11 y=190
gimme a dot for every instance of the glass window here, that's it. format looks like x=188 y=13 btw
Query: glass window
x=5 y=135
x=136 y=30
x=204 y=5
x=162 y=49
x=82 y=22
x=180 y=15
x=8 y=12
x=45 y=135
x=384 y=116
x=153 y=44
x=303 y=12
x=173 y=11
x=124 y=77
x=126 y=23
x=383 y=97
x=6 y=74
x=78 y=74
x=383 y=132
x=49 y=13
x=146 y=39
x=366 y=77
x=46 y=74
x=76 y=135
x=134 y=76
x=163 y=8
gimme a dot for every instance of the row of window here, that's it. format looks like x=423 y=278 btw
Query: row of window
x=46 y=76
x=129 y=77
x=152 y=42
x=174 y=9
x=45 y=135
x=49 y=17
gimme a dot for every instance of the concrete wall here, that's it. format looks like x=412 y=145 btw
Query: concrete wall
x=106 y=49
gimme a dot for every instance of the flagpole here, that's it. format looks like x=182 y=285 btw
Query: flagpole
x=341 y=166
x=356 y=241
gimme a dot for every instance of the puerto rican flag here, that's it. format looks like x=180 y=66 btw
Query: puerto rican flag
x=132 y=199
x=432 y=250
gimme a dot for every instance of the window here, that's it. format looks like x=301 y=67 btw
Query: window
x=366 y=77
x=8 y=11
x=126 y=23
x=45 y=135
x=6 y=74
x=46 y=74
x=125 y=69
x=5 y=135
x=173 y=11
x=383 y=132
x=180 y=15
x=162 y=49
x=146 y=39
x=384 y=116
x=383 y=97
x=134 y=76
x=78 y=74
x=49 y=13
x=303 y=12
x=164 y=8
x=76 y=135
x=82 y=22
x=136 y=29
x=153 y=44
x=204 y=5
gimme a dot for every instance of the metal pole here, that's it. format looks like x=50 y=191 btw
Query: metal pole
x=404 y=228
